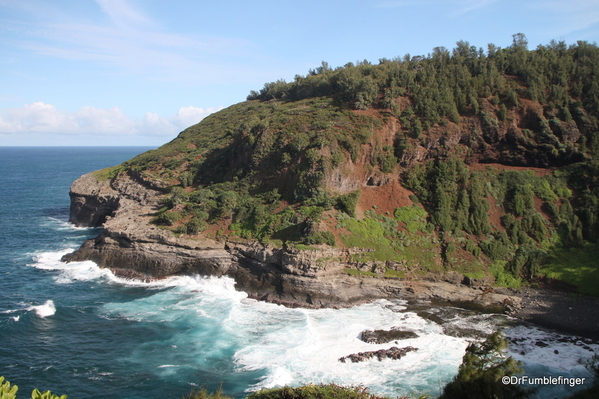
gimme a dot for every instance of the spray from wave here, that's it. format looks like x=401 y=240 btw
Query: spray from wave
x=45 y=310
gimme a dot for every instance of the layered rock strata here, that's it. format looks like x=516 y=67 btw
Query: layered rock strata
x=133 y=247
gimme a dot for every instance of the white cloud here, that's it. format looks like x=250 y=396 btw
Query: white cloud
x=131 y=42
x=39 y=117
x=122 y=13
x=188 y=116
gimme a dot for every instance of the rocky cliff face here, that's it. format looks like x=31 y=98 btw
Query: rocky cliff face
x=132 y=247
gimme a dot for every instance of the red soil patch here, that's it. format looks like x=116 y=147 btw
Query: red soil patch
x=212 y=230
x=387 y=197
x=330 y=223
x=494 y=213
x=370 y=112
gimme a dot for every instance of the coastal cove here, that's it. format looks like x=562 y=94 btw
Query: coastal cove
x=81 y=330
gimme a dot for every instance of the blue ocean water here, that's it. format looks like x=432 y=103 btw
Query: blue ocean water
x=76 y=329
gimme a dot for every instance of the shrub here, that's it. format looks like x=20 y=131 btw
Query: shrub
x=347 y=203
x=321 y=237
x=414 y=217
x=8 y=392
x=480 y=374
x=168 y=218
x=502 y=278
x=204 y=394
x=314 y=392
x=195 y=225
x=186 y=179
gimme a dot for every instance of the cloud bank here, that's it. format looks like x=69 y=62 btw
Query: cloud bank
x=40 y=117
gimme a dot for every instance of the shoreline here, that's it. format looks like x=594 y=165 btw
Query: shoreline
x=562 y=312
x=568 y=313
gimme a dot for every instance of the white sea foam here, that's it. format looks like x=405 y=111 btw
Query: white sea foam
x=10 y=311
x=15 y=318
x=301 y=346
x=61 y=224
x=88 y=270
x=294 y=346
x=535 y=345
x=70 y=272
x=45 y=310
x=210 y=320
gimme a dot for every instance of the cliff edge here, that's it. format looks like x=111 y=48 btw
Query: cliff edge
x=132 y=247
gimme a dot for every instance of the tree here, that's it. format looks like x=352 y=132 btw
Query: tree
x=519 y=41
x=480 y=375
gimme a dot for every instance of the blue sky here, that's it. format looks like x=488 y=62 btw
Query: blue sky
x=137 y=72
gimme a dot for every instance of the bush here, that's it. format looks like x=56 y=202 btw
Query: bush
x=168 y=218
x=8 y=392
x=322 y=391
x=321 y=237
x=481 y=371
x=414 y=217
x=195 y=225
x=186 y=179
x=204 y=394
x=502 y=278
x=347 y=203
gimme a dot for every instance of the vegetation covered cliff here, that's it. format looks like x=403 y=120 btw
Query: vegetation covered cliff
x=471 y=162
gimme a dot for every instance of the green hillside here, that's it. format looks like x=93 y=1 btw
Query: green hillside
x=480 y=162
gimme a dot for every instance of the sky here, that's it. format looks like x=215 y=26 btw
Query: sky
x=137 y=72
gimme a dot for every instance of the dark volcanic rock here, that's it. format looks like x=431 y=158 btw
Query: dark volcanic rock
x=384 y=336
x=394 y=353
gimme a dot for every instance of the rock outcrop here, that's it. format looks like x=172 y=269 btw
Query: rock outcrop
x=384 y=336
x=133 y=247
x=393 y=353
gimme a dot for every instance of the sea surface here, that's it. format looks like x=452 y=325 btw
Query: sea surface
x=78 y=330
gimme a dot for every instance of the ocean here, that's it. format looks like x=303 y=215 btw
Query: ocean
x=77 y=329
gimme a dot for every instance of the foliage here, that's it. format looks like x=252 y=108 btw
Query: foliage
x=481 y=371
x=204 y=394
x=321 y=237
x=36 y=394
x=576 y=266
x=347 y=203
x=8 y=392
x=107 y=173
x=413 y=217
x=321 y=391
x=368 y=233
x=502 y=278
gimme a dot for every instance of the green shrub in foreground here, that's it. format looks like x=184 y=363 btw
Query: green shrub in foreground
x=321 y=391
x=480 y=374
x=8 y=392
x=204 y=394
